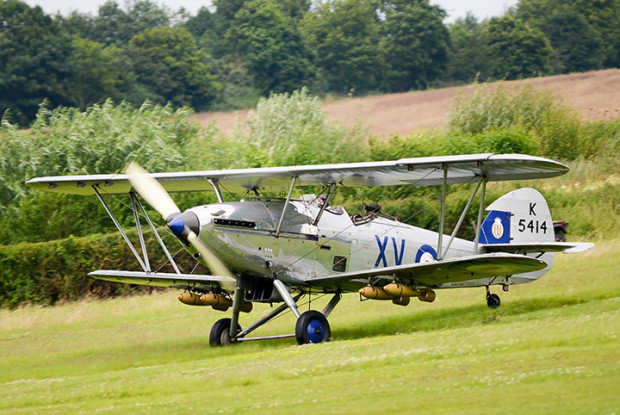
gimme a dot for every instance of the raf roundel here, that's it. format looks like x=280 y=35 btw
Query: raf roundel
x=498 y=228
x=426 y=254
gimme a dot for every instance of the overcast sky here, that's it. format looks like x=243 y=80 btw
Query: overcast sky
x=455 y=8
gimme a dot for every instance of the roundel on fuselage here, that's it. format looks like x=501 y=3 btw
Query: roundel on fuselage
x=425 y=254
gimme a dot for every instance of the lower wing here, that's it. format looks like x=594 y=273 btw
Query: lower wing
x=163 y=279
x=525 y=248
x=434 y=273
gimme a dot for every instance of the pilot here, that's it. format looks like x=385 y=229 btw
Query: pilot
x=336 y=210
x=321 y=200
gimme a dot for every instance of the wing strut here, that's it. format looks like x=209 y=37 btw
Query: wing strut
x=136 y=217
x=463 y=214
x=135 y=203
x=442 y=211
x=161 y=243
x=480 y=210
x=288 y=199
x=325 y=204
x=120 y=229
x=216 y=188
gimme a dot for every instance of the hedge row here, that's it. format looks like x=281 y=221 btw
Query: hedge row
x=48 y=272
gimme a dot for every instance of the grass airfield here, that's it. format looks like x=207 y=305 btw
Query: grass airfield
x=552 y=347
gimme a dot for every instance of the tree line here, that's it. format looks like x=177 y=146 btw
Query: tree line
x=229 y=55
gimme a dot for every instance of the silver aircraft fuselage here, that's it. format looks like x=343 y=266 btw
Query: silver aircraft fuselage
x=243 y=234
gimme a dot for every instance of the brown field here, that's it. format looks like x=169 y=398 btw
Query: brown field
x=596 y=95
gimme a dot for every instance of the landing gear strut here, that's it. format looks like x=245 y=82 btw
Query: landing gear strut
x=312 y=326
x=493 y=300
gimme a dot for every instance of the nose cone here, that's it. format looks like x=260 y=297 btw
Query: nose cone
x=182 y=225
x=177 y=225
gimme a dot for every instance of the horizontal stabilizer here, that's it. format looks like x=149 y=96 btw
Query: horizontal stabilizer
x=435 y=273
x=526 y=248
x=163 y=279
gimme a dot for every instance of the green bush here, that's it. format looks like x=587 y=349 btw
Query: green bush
x=539 y=115
x=599 y=138
x=285 y=130
x=67 y=141
x=48 y=272
x=501 y=141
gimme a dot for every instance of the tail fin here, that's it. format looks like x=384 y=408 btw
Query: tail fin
x=519 y=217
x=520 y=220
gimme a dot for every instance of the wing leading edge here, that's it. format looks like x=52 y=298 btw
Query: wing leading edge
x=163 y=279
x=422 y=171
x=435 y=273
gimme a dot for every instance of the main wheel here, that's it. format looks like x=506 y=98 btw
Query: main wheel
x=220 y=333
x=312 y=327
x=493 y=300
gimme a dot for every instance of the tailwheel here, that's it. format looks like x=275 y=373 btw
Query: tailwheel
x=312 y=327
x=220 y=333
x=493 y=300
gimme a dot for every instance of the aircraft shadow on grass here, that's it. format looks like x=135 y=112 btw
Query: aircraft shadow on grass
x=452 y=318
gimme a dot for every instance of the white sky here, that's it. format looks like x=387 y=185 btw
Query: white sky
x=455 y=8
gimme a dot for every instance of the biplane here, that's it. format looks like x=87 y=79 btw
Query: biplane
x=280 y=249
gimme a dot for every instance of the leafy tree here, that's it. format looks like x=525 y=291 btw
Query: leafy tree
x=467 y=52
x=199 y=24
x=77 y=24
x=295 y=8
x=168 y=63
x=110 y=25
x=115 y=25
x=214 y=38
x=603 y=17
x=577 y=46
x=34 y=55
x=345 y=38
x=271 y=46
x=515 y=50
x=99 y=73
x=415 y=42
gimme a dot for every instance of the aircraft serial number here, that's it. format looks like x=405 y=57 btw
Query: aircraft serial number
x=533 y=226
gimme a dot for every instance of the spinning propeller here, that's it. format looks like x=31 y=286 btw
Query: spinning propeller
x=156 y=196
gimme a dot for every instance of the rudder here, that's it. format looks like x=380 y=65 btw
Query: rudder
x=521 y=216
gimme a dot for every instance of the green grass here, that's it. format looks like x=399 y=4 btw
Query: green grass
x=552 y=347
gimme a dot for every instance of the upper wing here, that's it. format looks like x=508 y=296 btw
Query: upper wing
x=163 y=279
x=422 y=171
x=435 y=273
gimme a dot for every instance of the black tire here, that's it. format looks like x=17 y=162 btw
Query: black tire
x=493 y=301
x=560 y=237
x=312 y=327
x=220 y=333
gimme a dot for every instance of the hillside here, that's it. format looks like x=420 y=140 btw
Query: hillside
x=596 y=95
